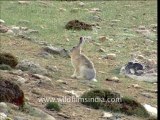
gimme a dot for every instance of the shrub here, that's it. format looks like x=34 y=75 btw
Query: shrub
x=5 y=67
x=125 y=105
x=8 y=59
x=53 y=106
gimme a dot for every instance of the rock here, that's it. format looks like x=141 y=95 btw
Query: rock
x=74 y=10
x=74 y=93
x=20 y=118
x=136 y=86
x=42 y=115
x=26 y=65
x=115 y=21
x=16 y=72
x=141 y=57
x=103 y=38
x=63 y=115
x=36 y=91
x=148 y=41
x=2 y=21
x=62 y=9
x=151 y=110
x=10 y=32
x=23 y=2
x=44 y=54
x=114 y=79
x=101 y=50
x=141 y=27
x=3 y=116
x=3 y=28
x=52 y=68
x=107 y=115
x=147 y=95
x=21 y=80
x=54 y=50
x=95 y=9
x=61 y=81
x=3 y=107
x=111 y=56
x=41 y=77
x=153 y=26
x=81 y=4
x=96 y=18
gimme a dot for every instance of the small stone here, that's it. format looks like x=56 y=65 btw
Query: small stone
x=95 y=9
x=61 y=81
x=62 y=9
x=63 y=115
x=2 y=21
x=141 y=57
x=114 y=79
x=154 y=26
x=20 y=118
x=107 y=115
x=41 y=77
x=3 y=116
x=74 y=10
x=136 y=86
x=148 y=41
x=101 y=50
x=21 y=80
x=3 y=107
x=97 y=44
x=23 y=2
x=141 y=27
x=36 y=91
x=103 y=38
x=111 y=56
x=10 y=32
x=52 y=68
x=115 y=21
x=151 y=110
x=81 y=4
x=74 y=93
x=147 y=95
x=3 y=28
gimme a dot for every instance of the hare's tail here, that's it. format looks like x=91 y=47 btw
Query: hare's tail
x=94 y=80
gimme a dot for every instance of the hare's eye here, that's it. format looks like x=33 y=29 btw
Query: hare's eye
x=73 y=47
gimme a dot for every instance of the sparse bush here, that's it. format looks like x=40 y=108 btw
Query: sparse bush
x=8 y=59
x=53 y=106
x=125 y=105
x=5 y=67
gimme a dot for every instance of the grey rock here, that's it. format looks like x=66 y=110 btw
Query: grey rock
x=20 y=118
x=55 y=50
x=3 y=107
x=32 y=67
x=21 y=80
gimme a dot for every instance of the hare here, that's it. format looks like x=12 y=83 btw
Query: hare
x=84 y=68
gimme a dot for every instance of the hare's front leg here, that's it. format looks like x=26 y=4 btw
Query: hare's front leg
x=75 y=73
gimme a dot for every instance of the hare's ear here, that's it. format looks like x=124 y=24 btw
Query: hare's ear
x=80 y=40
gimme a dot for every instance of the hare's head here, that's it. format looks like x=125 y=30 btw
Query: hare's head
x=76 y=50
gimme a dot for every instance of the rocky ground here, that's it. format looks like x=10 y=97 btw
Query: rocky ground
x=44 y=70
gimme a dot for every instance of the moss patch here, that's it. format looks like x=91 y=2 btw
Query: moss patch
x=53 y=106
x=112 y=101
x=8 y=59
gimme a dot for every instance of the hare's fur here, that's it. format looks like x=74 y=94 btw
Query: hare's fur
x=84 y=68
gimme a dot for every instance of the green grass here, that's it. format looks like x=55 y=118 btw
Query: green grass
x=50 y=23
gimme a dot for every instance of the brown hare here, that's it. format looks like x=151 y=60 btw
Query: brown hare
x=84 y=68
